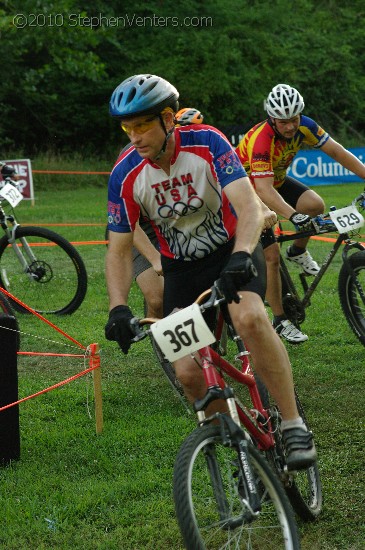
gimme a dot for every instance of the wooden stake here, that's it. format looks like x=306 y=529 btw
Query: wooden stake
x=95 y=362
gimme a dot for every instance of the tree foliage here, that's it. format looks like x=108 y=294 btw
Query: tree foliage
x=61 y=61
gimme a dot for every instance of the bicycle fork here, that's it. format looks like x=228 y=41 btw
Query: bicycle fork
x=33 y=274
x=214 y=392
x=233 y=436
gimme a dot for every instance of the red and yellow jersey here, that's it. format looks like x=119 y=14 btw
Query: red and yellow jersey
x=264 y=153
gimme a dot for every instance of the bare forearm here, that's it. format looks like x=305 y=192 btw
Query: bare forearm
x=344 y=157
x=250 y=222
x=144 y=246
x=272 y=199
x=352 y=163
x=247 y=232
x=119 y=276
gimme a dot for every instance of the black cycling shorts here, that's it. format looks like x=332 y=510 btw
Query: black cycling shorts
x=292 y=190
x=186 y=280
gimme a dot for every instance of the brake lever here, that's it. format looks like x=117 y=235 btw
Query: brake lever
x=139 y=333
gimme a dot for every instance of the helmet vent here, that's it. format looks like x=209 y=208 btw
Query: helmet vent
x=131 y=95
x=149 y=88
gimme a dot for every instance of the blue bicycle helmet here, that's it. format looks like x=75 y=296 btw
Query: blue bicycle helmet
x=143 y=94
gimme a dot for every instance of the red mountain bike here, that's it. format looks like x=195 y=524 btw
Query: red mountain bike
x=225 y=491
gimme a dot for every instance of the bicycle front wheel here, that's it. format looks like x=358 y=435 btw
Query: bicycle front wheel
x=210 y=510
x=350 y=290
x=167 y=368
x=43 y=270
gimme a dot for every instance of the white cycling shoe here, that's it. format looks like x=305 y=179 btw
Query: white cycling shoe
x=289 y=332
x=305 y=261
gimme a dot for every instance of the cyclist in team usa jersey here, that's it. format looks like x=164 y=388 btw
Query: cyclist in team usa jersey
x=147 y=262
x=266 y=152
x=189 y=184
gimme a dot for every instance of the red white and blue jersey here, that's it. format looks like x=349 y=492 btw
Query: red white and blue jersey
x=187 y=208
x=264 y=153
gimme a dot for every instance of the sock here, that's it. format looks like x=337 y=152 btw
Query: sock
x=294 y=250
x=278 y=318
x=295 y=423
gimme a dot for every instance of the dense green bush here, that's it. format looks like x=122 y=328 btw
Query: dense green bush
x=60 y=64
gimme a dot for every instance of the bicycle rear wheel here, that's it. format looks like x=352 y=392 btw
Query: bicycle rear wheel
x=210 y=511
x=349 y=290
x=48 y=275
x=304 y=487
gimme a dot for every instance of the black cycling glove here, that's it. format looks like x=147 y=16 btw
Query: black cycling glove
x=301 y=221
x=118 y=327
x=235 y=275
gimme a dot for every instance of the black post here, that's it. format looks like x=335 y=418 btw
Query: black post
x=9 y=418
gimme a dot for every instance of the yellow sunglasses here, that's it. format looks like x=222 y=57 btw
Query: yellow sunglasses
x=139 y=127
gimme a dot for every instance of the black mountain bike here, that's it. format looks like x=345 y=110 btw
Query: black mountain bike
x=351 y=281
x=38 y=266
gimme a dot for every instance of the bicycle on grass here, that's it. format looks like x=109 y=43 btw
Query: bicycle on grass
x=225 y=489
x=38 y=266
x=351 y=281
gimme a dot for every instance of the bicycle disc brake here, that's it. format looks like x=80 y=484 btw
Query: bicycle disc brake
x=40 y=271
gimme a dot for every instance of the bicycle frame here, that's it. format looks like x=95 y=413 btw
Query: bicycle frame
x=309 y=289
x=10 y=232
x=212 y=363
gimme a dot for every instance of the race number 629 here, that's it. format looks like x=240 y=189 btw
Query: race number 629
x=346 y=219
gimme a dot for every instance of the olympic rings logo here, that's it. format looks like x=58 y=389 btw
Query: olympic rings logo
x=180 y=208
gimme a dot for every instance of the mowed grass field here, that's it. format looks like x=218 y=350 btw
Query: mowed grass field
x=73 y=488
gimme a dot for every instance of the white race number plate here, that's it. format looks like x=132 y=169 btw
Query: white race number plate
x=347 y=219
x=182 y=333
x=11 y=194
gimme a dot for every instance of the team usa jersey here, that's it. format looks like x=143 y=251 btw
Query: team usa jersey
x=264 y=153
x=187 y=209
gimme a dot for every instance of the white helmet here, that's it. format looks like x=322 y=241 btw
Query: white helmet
x=284 y=102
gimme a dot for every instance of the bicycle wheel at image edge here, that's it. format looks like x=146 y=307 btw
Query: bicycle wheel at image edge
x=304 y=488
x=210 y=511
x=167 y=368
x=5 y=306
x=352 y=302
x=7 y=311
x=54 y=279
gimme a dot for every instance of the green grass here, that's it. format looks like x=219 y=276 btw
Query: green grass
x=73 y=488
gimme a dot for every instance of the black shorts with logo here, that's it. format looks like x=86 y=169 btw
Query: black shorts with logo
x=186 y=280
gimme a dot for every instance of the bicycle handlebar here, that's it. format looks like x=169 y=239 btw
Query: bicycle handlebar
x=321 y=223
x=216 y=298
